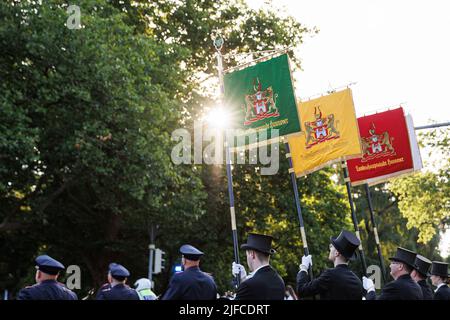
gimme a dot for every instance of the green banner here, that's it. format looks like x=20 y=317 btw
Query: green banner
x=261 y=97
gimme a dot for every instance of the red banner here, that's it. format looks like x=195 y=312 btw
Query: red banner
x=386 y=147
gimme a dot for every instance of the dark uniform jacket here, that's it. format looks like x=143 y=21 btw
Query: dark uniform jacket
x=265 y=284
x=426 y=290
x=338 y=283
x=118 y=292
x=404 y=288
x=47 y=290
x=191 y=284
x=443 y=293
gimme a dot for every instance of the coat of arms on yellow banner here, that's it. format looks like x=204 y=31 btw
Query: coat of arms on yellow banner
x=323 y=128
x=331 y=133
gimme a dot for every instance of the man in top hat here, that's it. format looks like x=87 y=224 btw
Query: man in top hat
x=338 y=283
x=420 y=274
x=403 y=287
x=263 y=283
x=47 y=287
x=117 y=289
x=439 y=278
x=192 y=283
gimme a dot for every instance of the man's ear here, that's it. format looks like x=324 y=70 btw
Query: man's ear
x=336 y=253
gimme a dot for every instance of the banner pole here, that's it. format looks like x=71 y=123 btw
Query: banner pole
x=355 y=222
x=297 y=204
x=218 y=43
x=375 y=231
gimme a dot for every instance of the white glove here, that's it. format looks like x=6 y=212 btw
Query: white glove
x=368 y=284
x=306 y=263
x=238 y=269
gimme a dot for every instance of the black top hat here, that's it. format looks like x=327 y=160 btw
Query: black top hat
x=440 y=269
x=346 y=243
x=405 y=256
x=259 y=242
x=422 y=265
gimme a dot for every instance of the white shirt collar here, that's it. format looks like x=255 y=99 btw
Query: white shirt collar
x=253 y=273
x=438 y=286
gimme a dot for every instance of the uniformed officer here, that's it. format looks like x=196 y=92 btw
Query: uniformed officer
x=47 y=287
x=439 y=278
x=263 y=283
x=143 y=287
x=117 y=288
x=192 y=283
x=420 y=274
x=338 y=283
x=403 y=287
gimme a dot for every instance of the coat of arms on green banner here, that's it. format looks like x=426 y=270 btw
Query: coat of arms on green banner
x=261 y=97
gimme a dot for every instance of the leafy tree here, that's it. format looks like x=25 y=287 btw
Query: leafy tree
x=88 y=143
x=85 y=144
x=424 y=198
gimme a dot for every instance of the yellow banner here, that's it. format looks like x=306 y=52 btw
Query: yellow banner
x=330 y=133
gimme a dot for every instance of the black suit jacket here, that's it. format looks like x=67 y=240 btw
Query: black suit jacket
x=404 y=288
x=338 y=283
x=265 y=284
x=191 y=284
x=443 y=293
x=426 y=290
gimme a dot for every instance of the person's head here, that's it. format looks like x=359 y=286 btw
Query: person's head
x=399 y=268
x=47 y=268
x=190 y=256
x=258 y=250
x=402 y=263
x=142 y=284
x=255 y=259
x=335 y=256
x=343 y=248
x=421 y=267
x=437 y=280
x=417 y=276
x=117 y=274
x=439 y=273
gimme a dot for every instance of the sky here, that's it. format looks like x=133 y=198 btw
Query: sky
x=397 y=52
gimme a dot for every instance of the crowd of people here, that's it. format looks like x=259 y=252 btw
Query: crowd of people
x=408 y=269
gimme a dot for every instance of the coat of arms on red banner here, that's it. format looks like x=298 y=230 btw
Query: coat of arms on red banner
x=376 y=145
x=321 y=129
x=386 y=148
x=260 y=105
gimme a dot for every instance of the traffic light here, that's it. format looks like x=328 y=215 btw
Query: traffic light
x=159 y=261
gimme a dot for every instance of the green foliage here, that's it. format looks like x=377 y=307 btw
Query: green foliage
x=424 y=198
